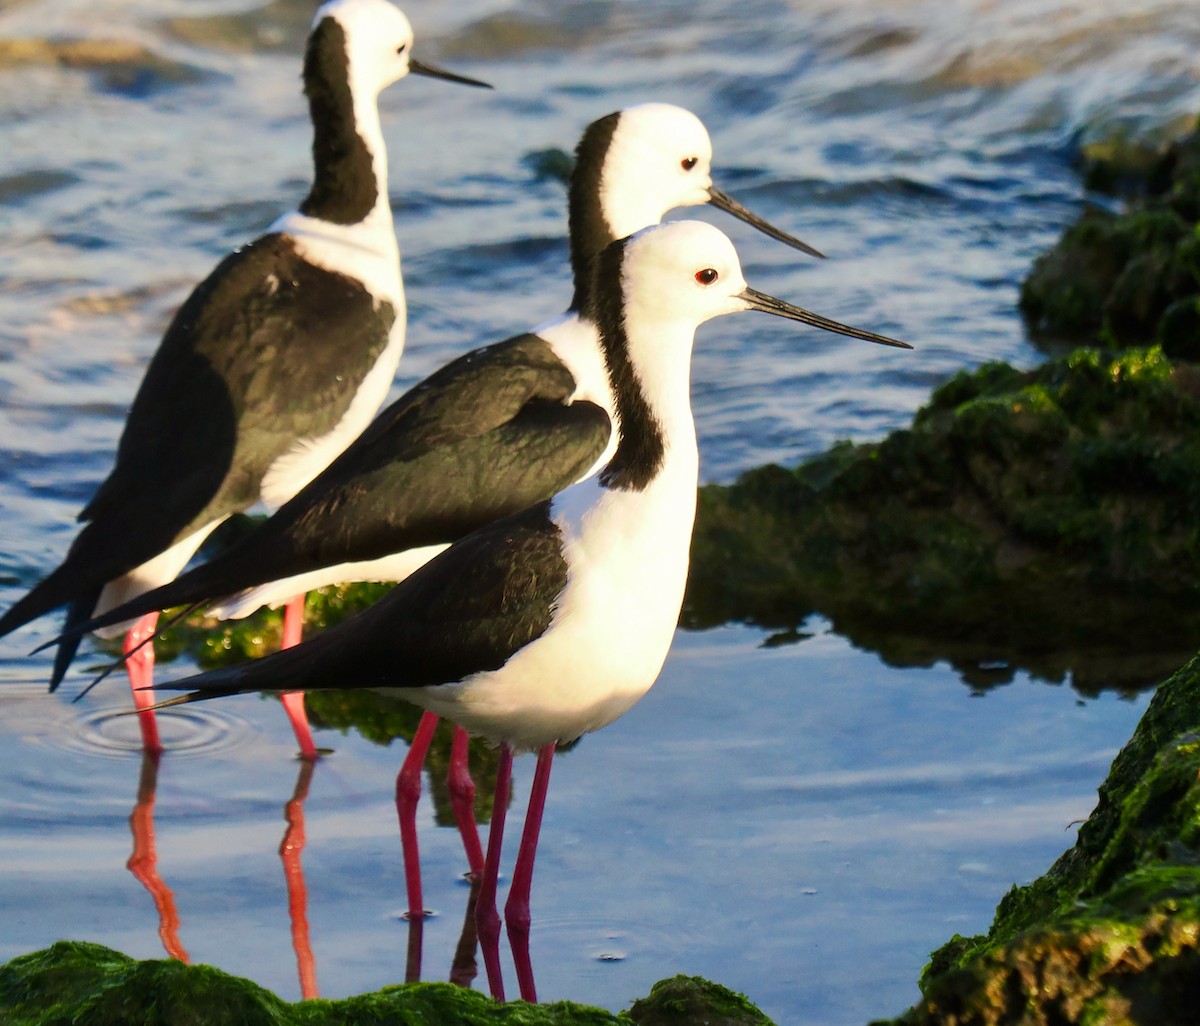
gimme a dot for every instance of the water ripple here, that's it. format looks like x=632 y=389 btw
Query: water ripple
x=185 y=733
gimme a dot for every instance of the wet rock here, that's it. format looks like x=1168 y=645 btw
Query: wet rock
x=691 y=1001
x=1111 y=934
x=1026 y=516
x=1132 y=278
x=90 y=985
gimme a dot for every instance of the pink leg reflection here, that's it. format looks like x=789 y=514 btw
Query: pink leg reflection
x=143 y=862
x=464 y=969
x=290 y=850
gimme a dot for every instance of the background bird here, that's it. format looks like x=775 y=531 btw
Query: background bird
x=271 y=366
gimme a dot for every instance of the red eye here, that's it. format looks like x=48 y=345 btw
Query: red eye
x=707 y=276
x=689 y=162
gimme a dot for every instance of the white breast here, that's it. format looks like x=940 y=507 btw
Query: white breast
x=368 y=252
x=611 y=629
x=576 y=343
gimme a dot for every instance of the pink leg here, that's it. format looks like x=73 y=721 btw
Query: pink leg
x=143 y=861
x=516 y=909
x=487 y=919
x=139 y=664
x=290 y=849
x=408 y=794
x=462 y=797
x=293 y=701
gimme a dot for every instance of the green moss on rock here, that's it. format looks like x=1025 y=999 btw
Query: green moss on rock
x=1130 y=278
x=1037 y=516
x=78 y=984
x=1111 y=933
x=694 y=1001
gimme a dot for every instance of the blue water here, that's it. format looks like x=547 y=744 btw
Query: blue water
x=801 y=823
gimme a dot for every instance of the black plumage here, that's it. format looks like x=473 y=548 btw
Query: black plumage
x=344 y=189
x=245 y=368
x=486 y=436
x=470 y=610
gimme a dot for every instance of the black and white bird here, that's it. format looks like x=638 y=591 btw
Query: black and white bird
x=272 y=365
x=553 y=622
x=489 y=434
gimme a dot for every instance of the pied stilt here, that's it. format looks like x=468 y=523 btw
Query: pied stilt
x=271 y=367
x=553 y=622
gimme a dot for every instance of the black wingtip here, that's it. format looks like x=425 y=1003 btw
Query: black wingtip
x=68 y=643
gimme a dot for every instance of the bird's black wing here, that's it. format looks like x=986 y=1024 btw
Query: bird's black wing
x=488 y=435
x=266 y=350
x=470 y=609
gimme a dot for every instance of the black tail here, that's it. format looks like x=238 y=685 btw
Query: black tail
x=204 y=584
x=78 y=611
x=56 y=590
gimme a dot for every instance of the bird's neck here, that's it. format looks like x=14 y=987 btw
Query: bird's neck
x=607 y=202
x=349 y=156
x=656 y=435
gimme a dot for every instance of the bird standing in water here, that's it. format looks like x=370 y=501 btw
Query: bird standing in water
x=553 y=622
x=273 y=364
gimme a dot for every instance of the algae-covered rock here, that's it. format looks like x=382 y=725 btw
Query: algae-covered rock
x=1048 y=518
x=1111 y=934
x=1130 y=278
x=691 y=1001
x=78 y=984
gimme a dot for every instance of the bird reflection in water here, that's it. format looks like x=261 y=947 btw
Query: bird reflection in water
x=143 y=862
x=290 y=850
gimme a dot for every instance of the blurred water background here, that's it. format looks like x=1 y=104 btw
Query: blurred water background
x=803 y=823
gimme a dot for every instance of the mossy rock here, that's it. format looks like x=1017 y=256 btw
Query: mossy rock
x=1111 y=933
x=1026 y=515
x=1046 y=520
x=1130 y=278
x=79 y=984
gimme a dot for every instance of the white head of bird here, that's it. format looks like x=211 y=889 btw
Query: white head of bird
x=378 y=42
x=673 y=277
x=659 y=158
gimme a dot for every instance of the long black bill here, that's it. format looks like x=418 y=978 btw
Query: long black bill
x=769 y=304
x=725 y=202
x=428 y=70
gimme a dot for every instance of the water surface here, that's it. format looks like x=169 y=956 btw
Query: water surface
x=801 y=823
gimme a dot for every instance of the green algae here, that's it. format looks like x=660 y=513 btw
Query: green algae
x=1111 y=933
x=692 y=1000
x=73 y=983
x=1129 y=278
x=1044 y=517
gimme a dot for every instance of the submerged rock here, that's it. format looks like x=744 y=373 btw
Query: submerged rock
x=78 y=984
x=1111 y=934
x=1045 y=518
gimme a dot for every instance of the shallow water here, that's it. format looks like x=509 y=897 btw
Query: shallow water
x=818 y=821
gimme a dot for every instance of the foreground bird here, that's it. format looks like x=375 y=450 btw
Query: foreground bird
x=553 y=622
x=273 y=364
